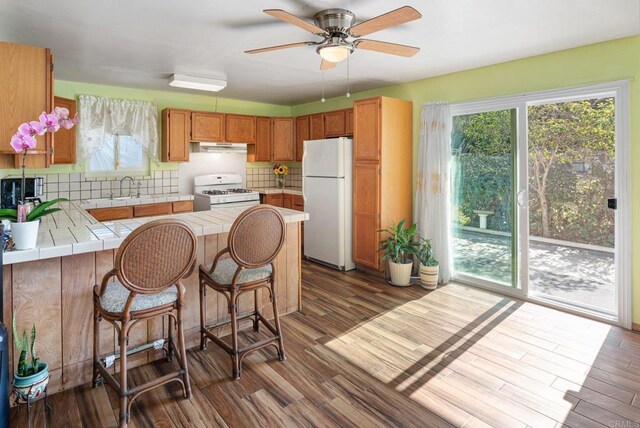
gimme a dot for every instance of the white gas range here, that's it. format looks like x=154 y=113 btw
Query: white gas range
x=222 y=191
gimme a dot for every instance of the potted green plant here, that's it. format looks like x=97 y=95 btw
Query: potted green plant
x=29 y=380
x=429 y=266
x=399 y=248
x=25 y=224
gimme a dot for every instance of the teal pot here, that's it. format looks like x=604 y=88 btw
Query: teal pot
x=31 y=388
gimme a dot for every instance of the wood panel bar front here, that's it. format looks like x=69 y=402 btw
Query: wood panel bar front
x=56 y=295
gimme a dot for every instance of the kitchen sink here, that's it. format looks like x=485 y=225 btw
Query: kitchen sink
x=118 y=198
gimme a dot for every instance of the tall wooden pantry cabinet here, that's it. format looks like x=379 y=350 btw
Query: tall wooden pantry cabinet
x=382 y=168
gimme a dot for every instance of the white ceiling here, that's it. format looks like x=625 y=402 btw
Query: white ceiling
x=139 y=43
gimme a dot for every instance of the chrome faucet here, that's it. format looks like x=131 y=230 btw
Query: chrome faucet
x=130 y=184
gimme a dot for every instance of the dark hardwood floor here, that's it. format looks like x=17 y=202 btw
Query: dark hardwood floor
x=363 y=353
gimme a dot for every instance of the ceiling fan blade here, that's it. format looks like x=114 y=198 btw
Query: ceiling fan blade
x=278 y=47
x=386 y=47
x=295 y=20
x=327 y=65
x=389 y=19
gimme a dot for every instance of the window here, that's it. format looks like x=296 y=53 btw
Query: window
x=120 y=153
x=117 y=137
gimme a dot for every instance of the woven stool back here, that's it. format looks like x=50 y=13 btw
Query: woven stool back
x=156 y=255
x=257 y=236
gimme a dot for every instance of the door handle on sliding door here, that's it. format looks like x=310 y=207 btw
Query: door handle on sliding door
x=521 y=198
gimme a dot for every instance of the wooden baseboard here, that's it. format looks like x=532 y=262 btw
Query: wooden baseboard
x=635 y=326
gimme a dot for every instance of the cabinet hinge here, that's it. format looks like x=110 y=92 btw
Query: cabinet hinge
x=51 y=66
x=51 y=150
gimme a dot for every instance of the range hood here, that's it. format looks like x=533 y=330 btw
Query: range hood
x=205 y=147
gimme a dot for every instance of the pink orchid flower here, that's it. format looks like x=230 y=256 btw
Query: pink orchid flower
x=61 y=113
x=32 y=128
x=49 y=121
x=67 y=123
x=20 y=142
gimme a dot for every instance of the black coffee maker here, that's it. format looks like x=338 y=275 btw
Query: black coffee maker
x=10 y=188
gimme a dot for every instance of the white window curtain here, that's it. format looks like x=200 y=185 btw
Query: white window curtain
x=102 y=119
x=433 y=193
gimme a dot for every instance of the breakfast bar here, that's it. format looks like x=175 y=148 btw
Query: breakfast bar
x=52 y=286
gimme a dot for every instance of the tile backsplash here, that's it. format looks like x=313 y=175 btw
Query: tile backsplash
x=264 y=177
x=78 y=186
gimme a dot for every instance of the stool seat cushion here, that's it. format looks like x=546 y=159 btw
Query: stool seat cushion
x=226 y=268
x=115 y=298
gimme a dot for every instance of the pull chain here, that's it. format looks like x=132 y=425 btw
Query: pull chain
x=322 y=99
x=348 y=89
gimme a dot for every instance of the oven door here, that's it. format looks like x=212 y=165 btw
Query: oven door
x=234 y=204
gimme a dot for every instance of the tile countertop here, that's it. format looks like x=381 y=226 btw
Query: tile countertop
x=74 y=231
x=270 y=190
x=146 y=199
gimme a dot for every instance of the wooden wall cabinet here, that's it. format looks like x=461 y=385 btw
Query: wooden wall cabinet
x=282 y=140
x=26 y=90
x=176 y=131
x=382 y=187
x=63 y=142
x=334 y=123
x=208 y=127
x=302 y=133
x=263 y=145
x=240 y=128
x=316 y=126
x=348 y=121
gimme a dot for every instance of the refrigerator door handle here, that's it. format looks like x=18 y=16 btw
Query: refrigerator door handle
x=304 y=197
x=304 y=156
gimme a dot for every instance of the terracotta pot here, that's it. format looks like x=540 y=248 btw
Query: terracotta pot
x=400 y=273
x=25 y=235
x=429 y=277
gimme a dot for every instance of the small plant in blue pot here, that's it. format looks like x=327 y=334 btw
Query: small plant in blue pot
x=29 y=380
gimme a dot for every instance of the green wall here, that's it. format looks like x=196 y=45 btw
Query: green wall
x=598 y=63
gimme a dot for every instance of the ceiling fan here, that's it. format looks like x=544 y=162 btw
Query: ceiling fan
x=336 y=26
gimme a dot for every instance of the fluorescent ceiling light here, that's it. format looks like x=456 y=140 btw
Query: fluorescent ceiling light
x=335 y=53
x=200 y=83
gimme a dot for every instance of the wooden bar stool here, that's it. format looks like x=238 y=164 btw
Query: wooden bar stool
x=148 y=268
x=255 y=239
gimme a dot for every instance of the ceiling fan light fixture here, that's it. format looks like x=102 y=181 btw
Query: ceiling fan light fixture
x=199 y=83
x=335 y=52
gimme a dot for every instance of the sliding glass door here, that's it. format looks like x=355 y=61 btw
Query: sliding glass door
x=540 y=198
x=483 y=155
x=571 y=157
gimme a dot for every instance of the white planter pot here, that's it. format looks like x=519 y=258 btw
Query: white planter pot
x=25 y=234
x=400 y=273
x=429 y=277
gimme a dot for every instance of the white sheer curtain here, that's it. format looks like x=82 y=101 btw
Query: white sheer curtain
x=103 y=118
x=433 y=193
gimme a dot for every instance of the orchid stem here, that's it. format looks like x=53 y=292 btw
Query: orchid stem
x=22 y=187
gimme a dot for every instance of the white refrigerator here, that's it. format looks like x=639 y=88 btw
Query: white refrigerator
x=327 y=191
